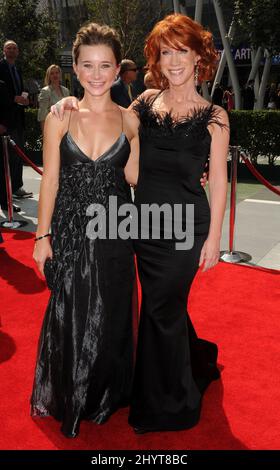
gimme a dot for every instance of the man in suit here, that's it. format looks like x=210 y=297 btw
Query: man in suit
x=14 y=87
x=6 y=120
x=122 y=91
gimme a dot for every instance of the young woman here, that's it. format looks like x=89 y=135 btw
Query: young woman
x=85 y=355
x=178 y=131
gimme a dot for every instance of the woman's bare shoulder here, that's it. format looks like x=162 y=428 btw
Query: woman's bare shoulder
x=202 y=103
x=130 y=121
x=57 y=126
x=221 y=114
x=148 y=93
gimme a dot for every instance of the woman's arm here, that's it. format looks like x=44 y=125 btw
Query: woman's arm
x=44 y=106
x=217 y=188
x=132 y=167
x=218 y=174
x=49 y=186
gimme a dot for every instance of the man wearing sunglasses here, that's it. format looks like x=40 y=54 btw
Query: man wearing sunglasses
x=122 y=91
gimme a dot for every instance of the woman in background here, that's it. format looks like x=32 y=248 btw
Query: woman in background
x=228 y=99
x=52 y=92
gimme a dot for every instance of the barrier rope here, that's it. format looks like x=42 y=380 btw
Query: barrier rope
x=22 y=155
x=255 y=172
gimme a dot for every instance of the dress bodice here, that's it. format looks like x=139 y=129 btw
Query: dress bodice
x=116 y=155
x=85 y=181
x=82 y=183
x=173 y=155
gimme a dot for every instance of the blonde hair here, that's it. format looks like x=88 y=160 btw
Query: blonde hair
x=47 y=80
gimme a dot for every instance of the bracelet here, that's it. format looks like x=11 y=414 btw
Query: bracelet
x=43 y=236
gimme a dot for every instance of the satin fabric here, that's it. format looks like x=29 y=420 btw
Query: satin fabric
x=85 y=354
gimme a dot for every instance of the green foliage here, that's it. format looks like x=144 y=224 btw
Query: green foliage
x=35 y=32
x=257 y=132
x=33 y=135
x=132 y=19
x=258 y=22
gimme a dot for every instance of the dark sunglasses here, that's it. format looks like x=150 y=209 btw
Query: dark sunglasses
x=133 y=70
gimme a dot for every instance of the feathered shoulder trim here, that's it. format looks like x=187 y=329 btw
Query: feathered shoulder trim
x=197 y=118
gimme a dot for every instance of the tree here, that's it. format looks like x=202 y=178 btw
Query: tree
x=34 y=30
x=132 y=19
x=259 y=22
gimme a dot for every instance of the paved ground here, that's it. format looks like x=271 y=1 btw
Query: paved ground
x=257 y=228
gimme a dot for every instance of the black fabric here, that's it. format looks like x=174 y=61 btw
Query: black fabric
x=173 y=366
x=16 y=110
x=13 y=114
x=119 y=93
x=7 y=120
x=16 y=79
x=6 y=103
x=248 y=97
x=50 y=271
x=85 y=355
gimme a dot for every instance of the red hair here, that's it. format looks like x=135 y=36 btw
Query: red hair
x=175 y=30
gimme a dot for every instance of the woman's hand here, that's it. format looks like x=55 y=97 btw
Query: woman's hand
x=204 y=179
x=42 y=251
x=69 y=102
x=210 y=253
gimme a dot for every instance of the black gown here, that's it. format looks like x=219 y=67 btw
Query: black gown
x=85 y=356
x=173 y=366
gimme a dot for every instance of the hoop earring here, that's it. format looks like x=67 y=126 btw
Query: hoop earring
x=196 y=74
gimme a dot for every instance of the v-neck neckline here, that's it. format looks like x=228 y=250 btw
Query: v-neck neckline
x=100 y=156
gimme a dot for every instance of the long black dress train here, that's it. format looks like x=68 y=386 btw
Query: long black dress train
x=173 y=366
x=85 y=355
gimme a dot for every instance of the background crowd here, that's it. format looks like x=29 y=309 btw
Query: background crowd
x=16 y=95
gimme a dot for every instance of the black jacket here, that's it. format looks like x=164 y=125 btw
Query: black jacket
x=15 y=112
x=120 y=95
x=6 y=106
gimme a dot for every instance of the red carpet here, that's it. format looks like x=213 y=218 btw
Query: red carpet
x=235 y=306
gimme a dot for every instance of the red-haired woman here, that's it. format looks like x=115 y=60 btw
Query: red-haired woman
x=178 y=131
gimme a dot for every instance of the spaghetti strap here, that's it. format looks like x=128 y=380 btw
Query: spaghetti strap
x=155 y=97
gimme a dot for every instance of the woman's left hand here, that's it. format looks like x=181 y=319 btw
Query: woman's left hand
x=204 y=179
x=210 y=253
